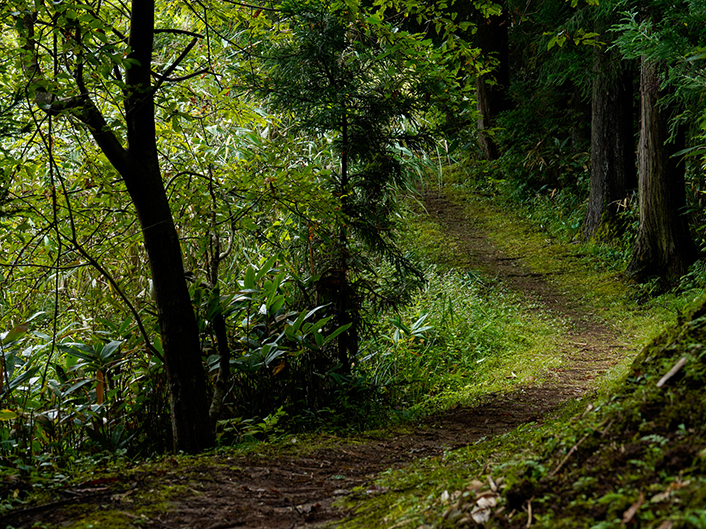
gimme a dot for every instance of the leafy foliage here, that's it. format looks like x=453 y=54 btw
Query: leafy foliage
x=260 y=201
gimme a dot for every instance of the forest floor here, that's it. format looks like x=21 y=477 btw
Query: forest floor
x=298 y=488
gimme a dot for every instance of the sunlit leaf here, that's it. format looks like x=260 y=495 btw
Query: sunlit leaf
x=7 y=415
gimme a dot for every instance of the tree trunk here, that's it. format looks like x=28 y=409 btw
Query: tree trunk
x=612 y=146
x=664 y=246
x=138 y=165
x=219 y=322
x=491 y=88
x=344 y=310
x=191 y=427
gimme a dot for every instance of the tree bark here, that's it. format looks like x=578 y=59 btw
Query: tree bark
x=664 y=247
x=491 y=88
x=191 y=427
x=612 y=146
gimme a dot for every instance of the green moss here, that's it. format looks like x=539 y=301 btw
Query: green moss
x=106 y=520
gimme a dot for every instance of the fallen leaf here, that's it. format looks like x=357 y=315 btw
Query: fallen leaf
x=474 y=485
x=492 y=484
x=452 y=514
x=465 y=521
x=480 y=515
x=660 y=497
x=675 y=485
x=486 y=502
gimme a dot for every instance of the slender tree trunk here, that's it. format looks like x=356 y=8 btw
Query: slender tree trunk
x=221 y=389
x=612 y=146
x=491 y=88
x=664 y=246
x=219 y=322
x=344 y=309
x=191 y=427
x=138 y=165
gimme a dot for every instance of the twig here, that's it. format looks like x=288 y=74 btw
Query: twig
x=172 y=67
x=672 y=372
x=567 y=456
x=605 y=431
x=529 y=513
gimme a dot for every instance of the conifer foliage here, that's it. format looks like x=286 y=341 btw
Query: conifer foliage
x=347 y=78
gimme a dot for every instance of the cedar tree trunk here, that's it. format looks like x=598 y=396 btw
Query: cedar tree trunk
x=612 y=146
x=491 y=88
x=664 y=247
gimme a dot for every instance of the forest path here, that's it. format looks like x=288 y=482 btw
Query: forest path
x=296 y=488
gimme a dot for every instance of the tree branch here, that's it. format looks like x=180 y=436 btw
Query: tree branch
x=251 y=6
x=81 y=106
x=179 y=32
x=95 y=264
x=172 y=67
x=163 y=79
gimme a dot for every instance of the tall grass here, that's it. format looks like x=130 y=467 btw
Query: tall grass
x=457 y=338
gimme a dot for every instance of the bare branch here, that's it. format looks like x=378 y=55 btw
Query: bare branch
x=173 y=66
x=163 y=79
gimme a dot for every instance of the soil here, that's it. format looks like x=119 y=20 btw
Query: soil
x=298 y=491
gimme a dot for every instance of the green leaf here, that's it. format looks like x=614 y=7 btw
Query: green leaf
x=265 y=268
x=249 y=279
x=7 y=415
x=276 y=304
x=109 y=348
x=334 y=334
x=18 y=381
x=14 y=334
x=77 y=386
x=82 y=351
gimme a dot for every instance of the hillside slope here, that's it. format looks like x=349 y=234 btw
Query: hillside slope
x=637 y=458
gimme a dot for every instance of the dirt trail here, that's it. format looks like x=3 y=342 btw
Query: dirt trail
x=298 y=491
x=592 y=346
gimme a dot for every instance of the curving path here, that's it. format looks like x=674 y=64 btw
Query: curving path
x=297 y=491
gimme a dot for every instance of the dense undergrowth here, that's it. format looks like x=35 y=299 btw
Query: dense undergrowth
x=464 y=335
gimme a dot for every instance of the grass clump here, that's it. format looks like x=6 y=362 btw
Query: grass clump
x=459 y=338
x=589 y=271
